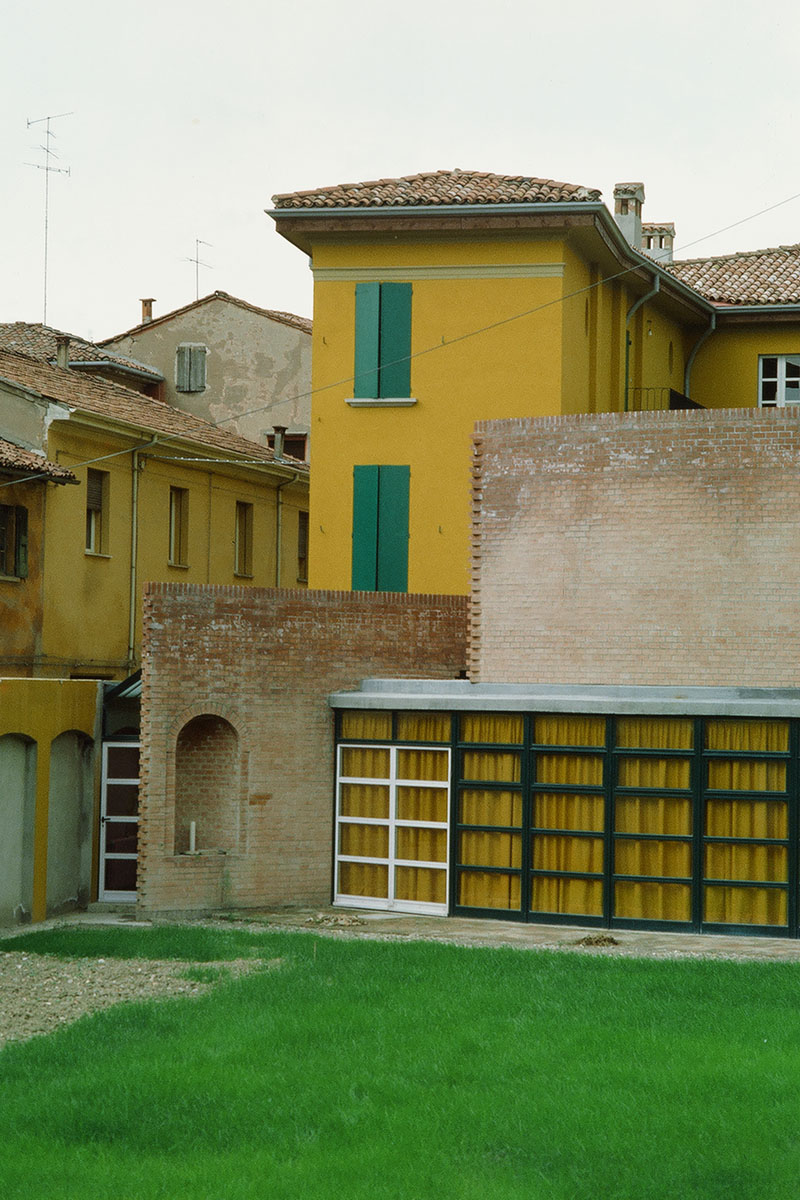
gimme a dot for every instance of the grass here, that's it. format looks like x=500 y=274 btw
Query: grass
x=408 y=1071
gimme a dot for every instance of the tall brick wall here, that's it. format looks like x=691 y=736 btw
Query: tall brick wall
x=262 y=661
x=638 y=548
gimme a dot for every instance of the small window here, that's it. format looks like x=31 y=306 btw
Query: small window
x=178 y=526
x=383 y=341
x=13 y=541
x=302 y=547
x=294 y=444
x=190 y=367
x=380 y=528
x=96 y=512
x=243 y=539
x=779 y=380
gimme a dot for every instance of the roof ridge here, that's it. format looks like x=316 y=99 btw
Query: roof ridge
x=789 y=248
x=285 y=318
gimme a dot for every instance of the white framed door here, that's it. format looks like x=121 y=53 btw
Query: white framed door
x=119 y=821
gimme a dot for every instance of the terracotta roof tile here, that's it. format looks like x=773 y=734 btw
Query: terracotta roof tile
x=39 y=341
x=15 y=460
x=274 y=314
x=438 y=187
x=88 y=393
x=751 y=277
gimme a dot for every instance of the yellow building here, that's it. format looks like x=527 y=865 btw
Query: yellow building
x=452 y=297
x=162 y=495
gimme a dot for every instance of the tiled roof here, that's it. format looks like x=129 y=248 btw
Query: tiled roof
x=274 y=314
x=438 y=187
x=25 y=462
x=88 y=393
x=751 y=277
x=39 y=341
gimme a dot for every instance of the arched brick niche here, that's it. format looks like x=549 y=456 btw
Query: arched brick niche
x=207 y=785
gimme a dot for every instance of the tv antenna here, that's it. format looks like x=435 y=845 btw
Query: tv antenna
x=49 y=170
x=198 y=242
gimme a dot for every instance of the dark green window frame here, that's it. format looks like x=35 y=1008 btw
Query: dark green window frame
x=383 y=341
x=13 y=541
x=380 y=528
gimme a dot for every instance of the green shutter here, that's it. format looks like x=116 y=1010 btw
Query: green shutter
x=395 y=339
x=365 y=384
x=21 y=548
x=365 y=529
x=392 y=572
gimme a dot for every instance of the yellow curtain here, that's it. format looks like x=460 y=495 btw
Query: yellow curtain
x=497 y=728
x=746 y=818
x=482 y=849
x=568 y=810
x=375 y=726
x=745 y=906
x=365 y=762
x=748 y=736
x=422 y=804
x=653 y=772
x=492 y=765
x=423 y=727
x=490 y=808
x=655 y=733
x=421 y=845
x=655 y=901
x=364 y=879
x=365 y=841
x=748 y=775
x=554 y=853
x=652 y=858
x=422 y=764
x=551 y=894
x=364 y=800
x=761 y=864
x=653 y=814
x=567 y=730
x=424 y=884
x=585 y=770
x=484 y=889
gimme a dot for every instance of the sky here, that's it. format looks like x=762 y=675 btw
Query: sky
x=186 y=118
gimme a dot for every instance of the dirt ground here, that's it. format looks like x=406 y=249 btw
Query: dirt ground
x=39 y=993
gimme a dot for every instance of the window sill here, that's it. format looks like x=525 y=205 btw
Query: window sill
x=381 y=402
x=95 y=554
x=243 y=575
x=178 y=566
x=11 y=578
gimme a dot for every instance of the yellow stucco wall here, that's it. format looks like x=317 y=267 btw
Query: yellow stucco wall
x=39 y=710
x=87 y=596
x=725 y=372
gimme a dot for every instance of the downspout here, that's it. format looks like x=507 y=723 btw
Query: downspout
x=279 y=524
x=631 y=313
x=135 y=469
x=687 y=374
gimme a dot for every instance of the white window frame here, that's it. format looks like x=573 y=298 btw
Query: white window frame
x=392 y=824
x=780 y=380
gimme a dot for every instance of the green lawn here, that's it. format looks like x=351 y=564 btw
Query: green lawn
x=365 y=1071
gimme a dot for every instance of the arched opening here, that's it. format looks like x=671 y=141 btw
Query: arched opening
x=69 y=824
x=17 y=811
x=207 y=790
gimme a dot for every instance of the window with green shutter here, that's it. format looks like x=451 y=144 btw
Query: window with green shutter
x=13 y=541
x=383 y=340
x=190 y=367
x=380 y=528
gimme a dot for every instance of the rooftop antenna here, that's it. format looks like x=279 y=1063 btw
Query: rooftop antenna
x=198 y=242
x=49 y=170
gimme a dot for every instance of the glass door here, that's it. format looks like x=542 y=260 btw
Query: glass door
x=119 y=821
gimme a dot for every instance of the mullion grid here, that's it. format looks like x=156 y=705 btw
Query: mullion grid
x=787 y=797
x=391 y=823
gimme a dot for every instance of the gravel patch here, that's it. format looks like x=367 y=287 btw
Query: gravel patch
x=39 y=993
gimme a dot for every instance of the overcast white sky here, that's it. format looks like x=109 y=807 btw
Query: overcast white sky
x=188 y=117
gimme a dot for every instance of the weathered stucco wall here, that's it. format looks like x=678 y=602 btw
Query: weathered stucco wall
x=253 y=360
x=241 y=677
x=638 y=548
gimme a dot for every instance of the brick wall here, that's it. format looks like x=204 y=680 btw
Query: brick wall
x=638 y=548
x=257 y=665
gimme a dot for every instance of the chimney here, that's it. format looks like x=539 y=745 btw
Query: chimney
x=62 y=350
x=658 y=241
x=279 y=432
x=147 y=310
x=628 y=201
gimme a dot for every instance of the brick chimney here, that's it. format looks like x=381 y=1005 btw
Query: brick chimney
x=628 y=201
x=658 y=241
x=62 y=350
x=147 y=310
